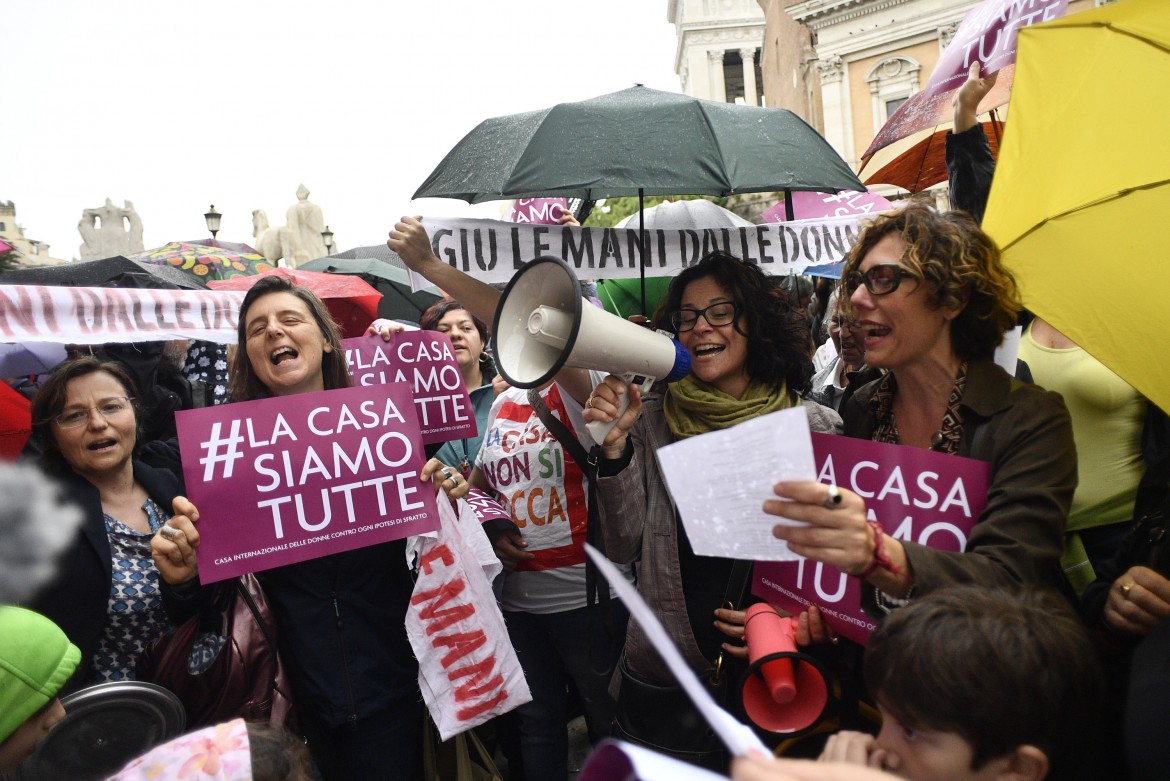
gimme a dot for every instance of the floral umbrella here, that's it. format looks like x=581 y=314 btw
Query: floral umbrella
x=223 y=260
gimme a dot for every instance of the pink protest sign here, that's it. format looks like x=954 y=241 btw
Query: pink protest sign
x=288 y=479
x=485 y=507
x=988 y=35
x=811 y=205
x=920 y=495
x=538 y=211
x=425 y=360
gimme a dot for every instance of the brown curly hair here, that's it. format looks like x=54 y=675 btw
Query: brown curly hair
x=777 y=334
x=960 y=266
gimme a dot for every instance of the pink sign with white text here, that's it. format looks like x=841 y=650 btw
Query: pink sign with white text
x=812 y=205
x=289 y=479
x=485 y=507
x=425 y=360
x=988 y=35
x=538 y=211
x=931 y=498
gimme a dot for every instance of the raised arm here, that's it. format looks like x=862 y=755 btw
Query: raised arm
x=409 y=239
x=970 y=164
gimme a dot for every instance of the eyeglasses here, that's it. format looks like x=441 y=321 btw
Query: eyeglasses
x=110 y=409
x=717 y=314
x=880 y=280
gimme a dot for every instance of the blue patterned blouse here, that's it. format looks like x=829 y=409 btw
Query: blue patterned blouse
x=136 y=611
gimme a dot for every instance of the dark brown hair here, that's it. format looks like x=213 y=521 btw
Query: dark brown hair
x=1001 y=669
x=277 y=754
x=438 y=310
x=243 y=384
x=50 y=402
x=777 y=335
x=960 y=266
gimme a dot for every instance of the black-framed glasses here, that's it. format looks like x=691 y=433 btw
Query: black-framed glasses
x=112 y=408
x=718 y=314
x=880 y=279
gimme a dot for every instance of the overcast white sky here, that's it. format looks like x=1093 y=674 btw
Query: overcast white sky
x=179 y=105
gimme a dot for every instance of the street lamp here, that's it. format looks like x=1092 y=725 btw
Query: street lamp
x=327 y=237
x=212 y=218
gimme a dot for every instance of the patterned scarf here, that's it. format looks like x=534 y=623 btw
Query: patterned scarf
x=881 y=406
x=695 y=407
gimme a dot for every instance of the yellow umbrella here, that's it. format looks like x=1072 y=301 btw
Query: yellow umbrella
x=1081 y=198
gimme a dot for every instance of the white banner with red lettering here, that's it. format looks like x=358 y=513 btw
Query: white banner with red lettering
x=467 y=669
x=95 y=315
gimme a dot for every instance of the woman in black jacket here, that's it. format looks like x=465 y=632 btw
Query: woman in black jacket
x=106 y=595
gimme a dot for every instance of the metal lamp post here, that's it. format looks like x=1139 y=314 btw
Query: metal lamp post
x=213 y=218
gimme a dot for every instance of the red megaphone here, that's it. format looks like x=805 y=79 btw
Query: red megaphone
x=784 y=691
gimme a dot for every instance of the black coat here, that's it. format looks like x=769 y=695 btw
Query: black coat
x=77 y=600
x=342 y=632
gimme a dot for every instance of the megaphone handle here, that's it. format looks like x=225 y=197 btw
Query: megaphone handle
x=599 y=429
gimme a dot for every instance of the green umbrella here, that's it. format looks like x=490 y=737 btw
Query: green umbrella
x=639 y=142
x=623 y=297
x=398 y=301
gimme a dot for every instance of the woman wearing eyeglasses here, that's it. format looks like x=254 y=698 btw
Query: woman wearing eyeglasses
x=105 y=595
x=932 y=300
x=749 y=356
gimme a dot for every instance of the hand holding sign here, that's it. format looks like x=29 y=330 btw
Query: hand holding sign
x=970 y=95
x=173 y=546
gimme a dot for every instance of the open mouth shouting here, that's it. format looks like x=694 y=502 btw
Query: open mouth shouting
x=281 y=354
x=872 y=332
x=102 y=445
x=708 y=350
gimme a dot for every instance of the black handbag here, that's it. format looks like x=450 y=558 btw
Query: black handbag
x=223 y=662
x=664 y=719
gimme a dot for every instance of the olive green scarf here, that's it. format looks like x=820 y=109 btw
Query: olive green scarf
x=695 y=407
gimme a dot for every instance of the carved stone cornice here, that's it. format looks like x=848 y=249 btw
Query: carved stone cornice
x=831 y=69
x=737 y=34
x=817 y=14
x=946 y=33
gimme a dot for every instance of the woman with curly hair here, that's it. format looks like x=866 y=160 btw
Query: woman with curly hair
x=932 y=300
x=749 y=354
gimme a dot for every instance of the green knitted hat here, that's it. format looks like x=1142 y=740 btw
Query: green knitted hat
x=36 y=659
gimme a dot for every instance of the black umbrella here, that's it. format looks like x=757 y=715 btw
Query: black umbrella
x=117 y=271
x=398 y=302
x=639 y=142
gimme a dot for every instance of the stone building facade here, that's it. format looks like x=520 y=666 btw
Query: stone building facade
x=32 y=252
x=718 y=52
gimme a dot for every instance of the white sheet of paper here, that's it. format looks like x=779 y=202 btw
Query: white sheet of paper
x=720 y=480
x=737 y=736
x=1007 y=353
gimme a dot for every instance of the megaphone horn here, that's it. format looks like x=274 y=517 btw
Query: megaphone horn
x=543 y=325
x=784 y=691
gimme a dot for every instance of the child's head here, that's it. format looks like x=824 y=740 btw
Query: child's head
x=36 y=659
x=243 y=750
x=975 y=682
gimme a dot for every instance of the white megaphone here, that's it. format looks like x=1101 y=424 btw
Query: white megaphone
x=543 y=324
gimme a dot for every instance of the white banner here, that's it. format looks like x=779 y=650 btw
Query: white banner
x=468 y=671
x=95 y=315
x=492 y=250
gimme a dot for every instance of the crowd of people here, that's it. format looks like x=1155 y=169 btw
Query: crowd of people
x=1037 y=651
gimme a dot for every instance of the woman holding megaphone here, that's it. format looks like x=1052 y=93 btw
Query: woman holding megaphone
x=749 y=353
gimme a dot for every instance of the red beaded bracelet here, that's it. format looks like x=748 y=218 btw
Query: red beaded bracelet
x=880 y=559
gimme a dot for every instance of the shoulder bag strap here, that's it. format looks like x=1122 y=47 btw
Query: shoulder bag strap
x=596 y=594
